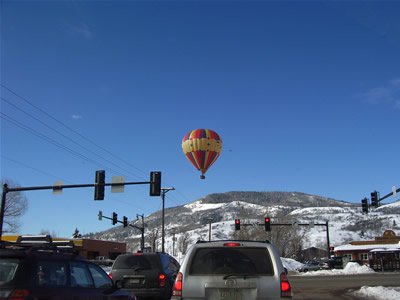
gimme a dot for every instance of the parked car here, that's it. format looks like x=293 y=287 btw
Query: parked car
x=335 y=262
x=232 y=270
x=42 y=269
x=311 y=266
x=147 y=275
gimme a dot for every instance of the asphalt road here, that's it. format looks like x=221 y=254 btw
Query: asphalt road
x=338 y=286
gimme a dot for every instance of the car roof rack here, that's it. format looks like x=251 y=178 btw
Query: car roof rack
x=34 y=239
x=40 y=243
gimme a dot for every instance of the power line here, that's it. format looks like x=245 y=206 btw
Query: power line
x=50 y=140
x=69 y=128
x=33 y=168
x=66 y=137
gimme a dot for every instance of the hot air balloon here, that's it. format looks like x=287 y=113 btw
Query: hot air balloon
x=202 y=148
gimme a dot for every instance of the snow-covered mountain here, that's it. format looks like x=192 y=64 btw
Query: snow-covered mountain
x=346 y=222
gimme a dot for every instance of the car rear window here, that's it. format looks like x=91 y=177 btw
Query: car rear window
x=142 y=262
x=8 y=268
x=230 y=260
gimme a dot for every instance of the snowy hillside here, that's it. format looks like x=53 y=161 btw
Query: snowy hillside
x=345 y=220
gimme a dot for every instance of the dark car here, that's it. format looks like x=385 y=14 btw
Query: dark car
x=48 y=270
x=147 y=275
x=335 y=262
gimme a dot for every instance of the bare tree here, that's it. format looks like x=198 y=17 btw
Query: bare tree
x=183 y=242
x=16 y=206
x=152 y=237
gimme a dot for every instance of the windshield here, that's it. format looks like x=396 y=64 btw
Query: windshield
x=136 y=262
x=8 y=269
x=218 y=261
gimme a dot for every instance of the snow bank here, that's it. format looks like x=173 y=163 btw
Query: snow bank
x=378 y=293
x=291 y=264
x=351 y=268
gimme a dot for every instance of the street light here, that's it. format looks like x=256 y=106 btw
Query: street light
x=163 y=192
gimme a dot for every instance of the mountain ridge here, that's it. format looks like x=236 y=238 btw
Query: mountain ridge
x=218 y=210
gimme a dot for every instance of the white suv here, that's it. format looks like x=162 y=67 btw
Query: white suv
x=232 y=270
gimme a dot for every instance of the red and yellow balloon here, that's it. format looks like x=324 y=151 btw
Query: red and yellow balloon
x=202 y=148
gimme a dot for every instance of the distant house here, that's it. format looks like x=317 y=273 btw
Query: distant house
x=313 y=253
x=380 y=254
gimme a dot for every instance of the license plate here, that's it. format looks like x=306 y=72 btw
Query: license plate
x=230 y=294
x=133 y=281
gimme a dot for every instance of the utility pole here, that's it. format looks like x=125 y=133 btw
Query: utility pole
x=142 y=231
x=209 y=229
x=3 y=207
x=173 y=241
x=163 y=192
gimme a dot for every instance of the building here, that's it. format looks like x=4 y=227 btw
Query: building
x=313 y=253
x=88 y=248
x=381 y=254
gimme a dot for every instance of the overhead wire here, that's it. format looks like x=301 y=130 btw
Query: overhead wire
x=35 y=169
x=48 y=139
x=70 y=139
x=69 y=128
x=65 y=136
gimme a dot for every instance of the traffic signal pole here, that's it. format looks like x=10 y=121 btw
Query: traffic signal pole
x=326 y=224
x=131 y=225
x=155 y=190
x=388 y=195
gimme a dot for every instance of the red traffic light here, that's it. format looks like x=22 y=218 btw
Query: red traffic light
x=237 y=224
x=267 y=223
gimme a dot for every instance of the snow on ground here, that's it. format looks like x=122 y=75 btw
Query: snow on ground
x=351 y=268
x=198 y=206
x=291 y=264
x=378 y=293
x=365 y=292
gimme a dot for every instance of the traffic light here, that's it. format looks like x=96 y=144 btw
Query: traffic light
x=267 y=222
x=364 y=205
x=99 y=185
x=237 y=224
x=125 y=221
x=100 y=215
x=114 y=218
x=375 y=199
x=331 y=251
x=155 y=183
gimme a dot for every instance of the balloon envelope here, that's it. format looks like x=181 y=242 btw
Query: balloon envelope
x=202 y=148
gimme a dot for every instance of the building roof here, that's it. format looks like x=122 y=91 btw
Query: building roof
x=389 y=241
x=369 y=247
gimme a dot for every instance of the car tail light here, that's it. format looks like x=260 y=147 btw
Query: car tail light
x=110 y=275
x=177 y=290
x=18 y=295
x=162 y=280
x=286 y=289
x=231 y=244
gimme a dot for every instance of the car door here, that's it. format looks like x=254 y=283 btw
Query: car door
x=50 y=280
x=89 y=281
x=82 y=284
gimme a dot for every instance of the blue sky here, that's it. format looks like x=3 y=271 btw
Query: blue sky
x=304 y=94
